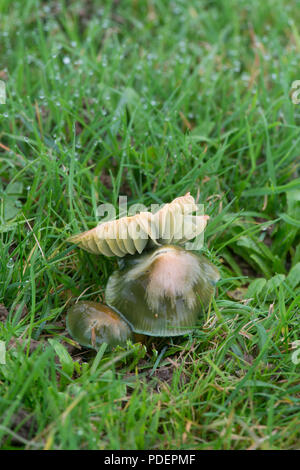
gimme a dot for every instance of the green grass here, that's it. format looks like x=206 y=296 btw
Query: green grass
x=150 y=100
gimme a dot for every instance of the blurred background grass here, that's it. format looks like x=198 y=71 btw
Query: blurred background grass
x=150 y=100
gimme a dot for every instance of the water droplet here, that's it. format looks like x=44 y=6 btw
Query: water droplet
x=10 y=263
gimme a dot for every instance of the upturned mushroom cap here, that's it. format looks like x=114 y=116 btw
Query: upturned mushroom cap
x=92 y=324
x=174 y=223
x=162 y=292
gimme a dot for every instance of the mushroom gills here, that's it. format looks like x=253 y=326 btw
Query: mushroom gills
x=91 y=324
x=173 y=223
x=162 y=292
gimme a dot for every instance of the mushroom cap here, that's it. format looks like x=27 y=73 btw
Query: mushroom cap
x=162 y=292
x=173 y=223
x=92 y=324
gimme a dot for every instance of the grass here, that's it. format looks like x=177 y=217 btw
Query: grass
x=150 y=100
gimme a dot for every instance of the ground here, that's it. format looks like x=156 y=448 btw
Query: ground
x=150 y=100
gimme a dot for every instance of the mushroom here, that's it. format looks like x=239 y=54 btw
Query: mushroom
x=92 y=324
x=160 y=289
x=162 y=292
x=129 y=235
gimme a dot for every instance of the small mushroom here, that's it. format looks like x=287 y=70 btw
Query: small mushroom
x=92 y=324
x=162 y=292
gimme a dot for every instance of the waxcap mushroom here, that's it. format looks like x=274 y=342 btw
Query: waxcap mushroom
x=92 y=324
x=173 y=223
x=162 y=292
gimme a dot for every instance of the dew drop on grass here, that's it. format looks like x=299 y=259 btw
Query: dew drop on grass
x=10 y=263
x=245 y=77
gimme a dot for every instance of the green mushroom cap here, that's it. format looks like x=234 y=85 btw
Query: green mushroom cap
x=92 y=324
x=162 y=292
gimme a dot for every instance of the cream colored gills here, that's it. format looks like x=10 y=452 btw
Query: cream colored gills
x=144 y=230
x=127 y=241
x=99 y=237
x=110 y=235
x=122 y=235
x=137 y=233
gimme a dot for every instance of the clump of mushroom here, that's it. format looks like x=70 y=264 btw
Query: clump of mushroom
x=160 y=289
